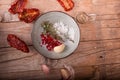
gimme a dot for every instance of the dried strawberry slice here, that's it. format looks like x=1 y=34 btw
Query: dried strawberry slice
x=28 y=15
x=17 y=43
x=17 y=6
x=66 y=4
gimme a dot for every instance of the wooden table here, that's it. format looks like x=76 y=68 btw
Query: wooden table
x=96 y=58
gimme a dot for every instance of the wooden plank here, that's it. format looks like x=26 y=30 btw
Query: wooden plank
x=21 y=64
x=17 y=29
x=110 y=49
x=111 y=45
x=89 y=31
x=113 y=72
x=112 y=1
x=33 y=74
x=3 y=2
x=51 y=5
x=110 y=33
x=106 y=7
x=86 y=51
x=104 y=2
x=100 y=31
x=108 y=17
x=112 y=56
x=111 y=23
x=3 y=9
x=80 y=73
x=11 y=54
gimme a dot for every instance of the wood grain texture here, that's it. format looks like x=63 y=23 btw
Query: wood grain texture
x=113 y=71
x=20 y=29
x=96 y=58
x=55 y=74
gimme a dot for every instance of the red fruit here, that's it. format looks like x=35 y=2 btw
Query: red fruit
x=66 y=4
x=28 y=15
x=17 y=6
x=17 y=43
x=49 y=41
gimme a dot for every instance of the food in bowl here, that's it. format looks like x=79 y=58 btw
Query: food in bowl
x=54 y=35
